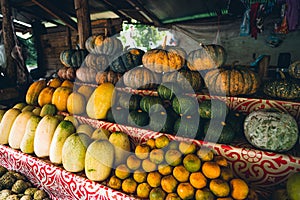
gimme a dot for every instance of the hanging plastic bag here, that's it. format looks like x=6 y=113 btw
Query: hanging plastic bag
x=2 y=53
x=245 y=26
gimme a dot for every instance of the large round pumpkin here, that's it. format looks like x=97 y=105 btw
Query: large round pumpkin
x=232 y=81
x=86 y=75
x=208 y=57
x=100 y=44
x=185 y=78
x=72 y=57
x=294 y=69
x=97 y=61
x=108 y=76
x=141 y=78
x=128 y=60
x=165 y=59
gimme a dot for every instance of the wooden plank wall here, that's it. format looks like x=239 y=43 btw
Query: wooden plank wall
x=56 y=40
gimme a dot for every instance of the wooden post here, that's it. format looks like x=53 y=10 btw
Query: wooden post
x=83 y=21
x=68 y=39
x=9 y=43
x=37 y=30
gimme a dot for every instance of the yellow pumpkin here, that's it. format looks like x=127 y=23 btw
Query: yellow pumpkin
x=60 y=97
x=76 y=103
x=33 y=92
x=86 y=91
x=67 y=83
x=45 y=96
x=100 y=101
x=54 y=82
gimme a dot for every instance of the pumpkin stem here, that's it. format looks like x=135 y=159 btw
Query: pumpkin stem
x=164 y=43
x=282 y=76
x=105 y=32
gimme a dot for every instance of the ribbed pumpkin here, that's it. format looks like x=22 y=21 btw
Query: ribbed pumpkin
x=33 y=92
x=60 y=98
x=86 y=75
x=108 y=76
x=185 y=78
x=68 y=73
x=232 y=81
x=141 y=78
x=72 y=57
x=97 y=61
x=45 y=96
x=208 y=57
x=168 y=90
x=166 y=59
x=284 y=89
x=151 y=104
x=294 y=69
x=100 y=44
x=128 y=60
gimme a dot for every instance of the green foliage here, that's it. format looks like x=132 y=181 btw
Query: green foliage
x=29 y=51
x=145 y=37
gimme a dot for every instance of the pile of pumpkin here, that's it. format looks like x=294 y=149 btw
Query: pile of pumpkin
x=108 y=62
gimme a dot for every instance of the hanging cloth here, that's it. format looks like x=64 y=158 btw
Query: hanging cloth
x=253 y=16
x=292 y=14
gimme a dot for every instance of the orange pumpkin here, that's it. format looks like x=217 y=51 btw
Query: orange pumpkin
x=60 y=97
x=54 y=82
x=45 y=96
x=100 y=44
x=67 y=83
x=33 y=92
x=164 y=60
x=108 y=76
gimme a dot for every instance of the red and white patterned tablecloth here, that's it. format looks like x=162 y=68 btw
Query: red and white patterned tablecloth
x=58 y=183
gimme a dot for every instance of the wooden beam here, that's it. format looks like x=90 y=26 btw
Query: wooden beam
x=111 y=7
x=9 y=43
x=139 y=7
x=56 y=12
x=83 y=21
x=23 y=4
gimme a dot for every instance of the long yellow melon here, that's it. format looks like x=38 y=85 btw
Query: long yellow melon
x=33 y=92
x=99 y=160
x=43 y=135
x=18 y=129
x=100 y=101
x=26 y=145
x=62 y=132
x=6 y=124
x=74 y=151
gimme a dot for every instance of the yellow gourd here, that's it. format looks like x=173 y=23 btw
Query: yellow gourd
x=45 y=96
x=33 y=92
x=60 y=97
x=100 y=101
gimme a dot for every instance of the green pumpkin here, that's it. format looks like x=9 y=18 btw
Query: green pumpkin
x=138 y=118
x=117 y=115
x=284 y=89
x=218 y=109
x=168 y=90
x=188 y=80
x=185 y=105
x=73 y=57
x=127 y=61
x=294 y=69
x=188 y=126
x=167 y=117
x=151 y=103
x=129 y=101
x=218 y=131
